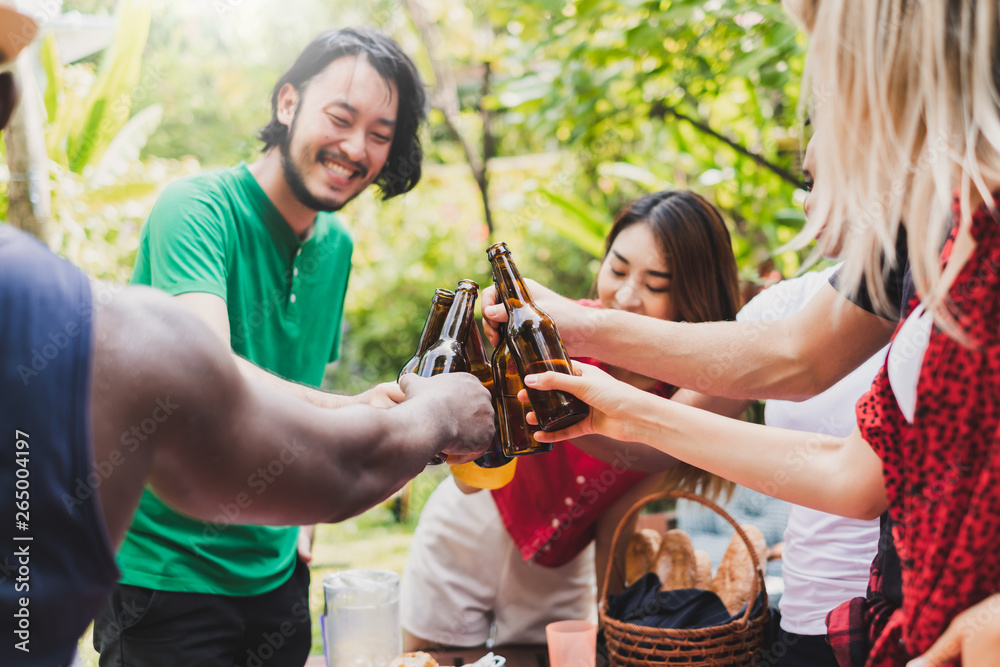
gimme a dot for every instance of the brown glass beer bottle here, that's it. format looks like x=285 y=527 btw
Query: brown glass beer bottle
x=447 y=354
x=432 y=328
x=513 y=429
x=475 y=351
x=534 y=344
x=481 y=368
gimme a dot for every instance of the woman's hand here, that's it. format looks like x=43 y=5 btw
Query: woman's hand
x=614 y=405
x=494 y=314
x=576 y=324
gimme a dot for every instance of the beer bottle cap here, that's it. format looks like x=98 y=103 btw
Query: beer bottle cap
x=499 y=248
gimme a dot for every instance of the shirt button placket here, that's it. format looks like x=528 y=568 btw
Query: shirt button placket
x=295 y=274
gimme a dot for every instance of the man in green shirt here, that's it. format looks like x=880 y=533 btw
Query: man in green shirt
x=258 y=254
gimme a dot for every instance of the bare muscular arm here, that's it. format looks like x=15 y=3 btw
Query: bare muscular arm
x=211 y=309
x=170 y=407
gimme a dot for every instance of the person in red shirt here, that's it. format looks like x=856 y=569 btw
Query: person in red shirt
x=520 y=556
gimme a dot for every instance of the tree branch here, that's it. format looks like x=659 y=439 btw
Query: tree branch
x=661 y=109
x=488 y=147
x=445 y=98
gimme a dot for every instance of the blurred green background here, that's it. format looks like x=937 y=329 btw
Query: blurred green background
x=576 y=106
x=560 y=112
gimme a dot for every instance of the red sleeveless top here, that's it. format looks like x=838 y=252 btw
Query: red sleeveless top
x=941 y=471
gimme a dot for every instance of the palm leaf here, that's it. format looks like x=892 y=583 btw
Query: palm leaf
x=578 y=222
x=636 y=174
x=53 y=75
x=124 y=149
x=109 y=103
x=118 y=194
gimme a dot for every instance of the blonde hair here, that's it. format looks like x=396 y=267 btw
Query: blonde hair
x=904 y=97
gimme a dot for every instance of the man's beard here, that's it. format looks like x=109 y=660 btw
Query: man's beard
x=297 y=183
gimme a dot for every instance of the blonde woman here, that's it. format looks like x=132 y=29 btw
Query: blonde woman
x=905 y=94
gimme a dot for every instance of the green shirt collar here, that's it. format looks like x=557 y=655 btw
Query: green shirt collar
x=268 y=212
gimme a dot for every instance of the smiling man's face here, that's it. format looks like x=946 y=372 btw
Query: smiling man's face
x=340 y=132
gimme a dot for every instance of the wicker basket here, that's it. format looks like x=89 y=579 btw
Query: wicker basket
x=735 y=644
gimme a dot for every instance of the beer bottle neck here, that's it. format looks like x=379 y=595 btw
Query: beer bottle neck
x=434 y=324
x=474 y=343
x=456 y=325
x=509 y=283
x=501 y=346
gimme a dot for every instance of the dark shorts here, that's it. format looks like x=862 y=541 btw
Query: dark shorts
x=144 y=627
x=792 y=650
x=787 y=649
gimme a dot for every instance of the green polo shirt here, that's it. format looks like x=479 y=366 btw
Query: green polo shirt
x=218 y=233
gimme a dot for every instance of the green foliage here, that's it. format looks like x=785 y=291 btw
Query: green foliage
x=604 y=76
x=97 y=227
x=53 y=74
x=101 y=192
x=82 y=125
x=579 y=221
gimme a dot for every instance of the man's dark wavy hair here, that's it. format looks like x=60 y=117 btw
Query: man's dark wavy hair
x=402 y=168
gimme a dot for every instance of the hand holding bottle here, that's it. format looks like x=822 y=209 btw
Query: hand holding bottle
x=534 y=343
x=574 y=321
x=616 y=408
x=455 y=409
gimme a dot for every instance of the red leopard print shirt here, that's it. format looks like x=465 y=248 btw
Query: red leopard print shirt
x=941 y=472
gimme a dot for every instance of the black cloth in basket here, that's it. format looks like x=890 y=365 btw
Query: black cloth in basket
x=643 y=603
